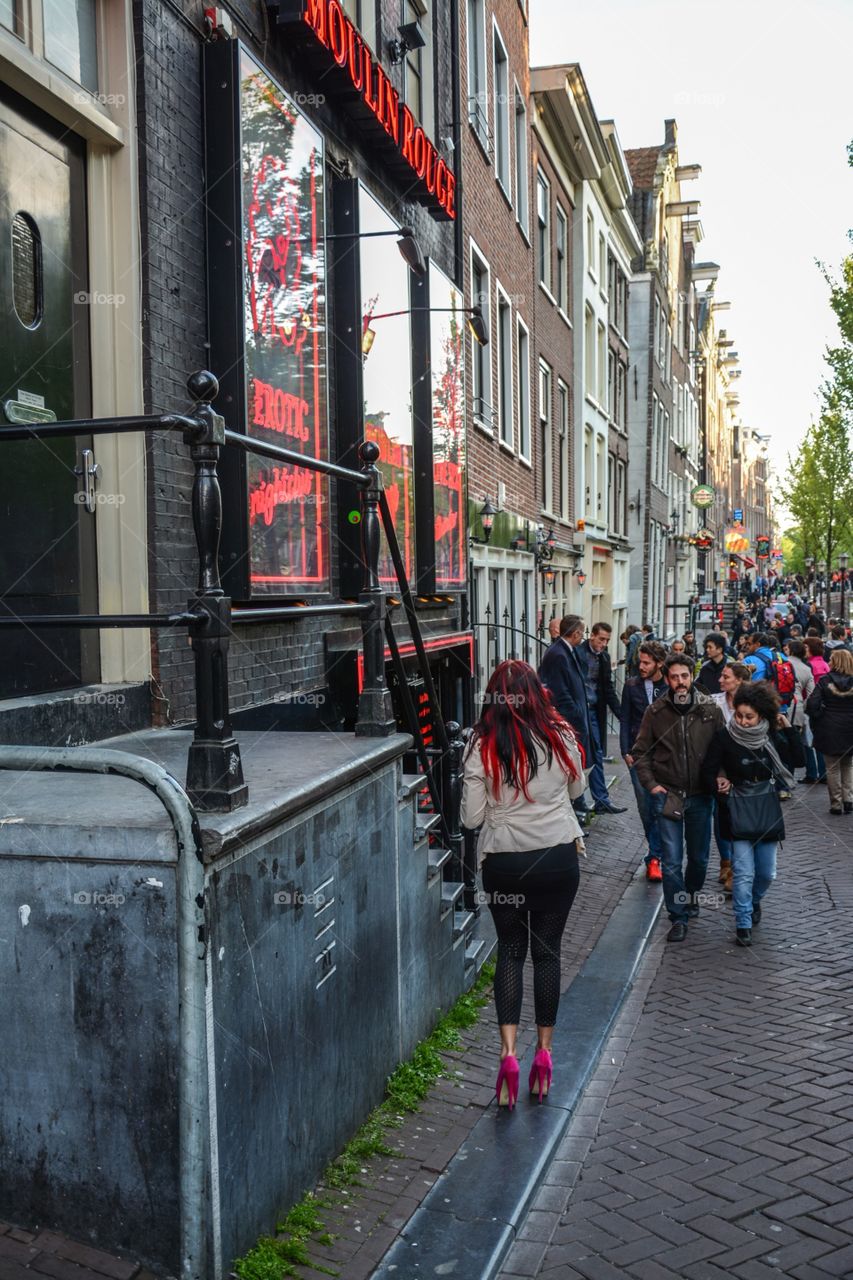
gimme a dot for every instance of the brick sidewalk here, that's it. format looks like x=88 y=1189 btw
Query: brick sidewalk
x=715 y=1140
x=28 y=1255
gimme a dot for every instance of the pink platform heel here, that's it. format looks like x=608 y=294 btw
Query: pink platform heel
x=506 y=1089
x=540 y=1073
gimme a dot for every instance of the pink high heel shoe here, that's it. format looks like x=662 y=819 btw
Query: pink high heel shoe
x=540 y=1073
x=506 y=1089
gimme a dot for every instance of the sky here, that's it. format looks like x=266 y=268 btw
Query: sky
x=761 y=95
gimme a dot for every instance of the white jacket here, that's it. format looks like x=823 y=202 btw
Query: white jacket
x=512 y=824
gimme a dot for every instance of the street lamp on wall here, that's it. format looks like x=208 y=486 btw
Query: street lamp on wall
x=581 y=576
x=410 y=250
x=487 y=520
x=476 y=323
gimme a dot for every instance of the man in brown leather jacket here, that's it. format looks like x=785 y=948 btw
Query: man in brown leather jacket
x=671 y=746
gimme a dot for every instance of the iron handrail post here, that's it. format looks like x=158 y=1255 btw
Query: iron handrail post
x=214 y=767
x=375 y=710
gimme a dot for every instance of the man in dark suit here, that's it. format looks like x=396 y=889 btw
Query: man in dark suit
x=637 y=694
x=560 y=672
x=600 y=696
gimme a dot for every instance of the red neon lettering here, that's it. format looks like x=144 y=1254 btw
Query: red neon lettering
x=381 y=85
x=419 y=152
x=369 y=99
x=285 y=487
x=356 y=62
x=451 y=192
x=391 y=119
x=430 y=168
x=315 y=15
x=408 y=131
x=337 y=33
x=441 y=182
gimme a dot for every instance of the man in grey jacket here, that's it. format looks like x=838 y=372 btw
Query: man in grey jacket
x=670 y=750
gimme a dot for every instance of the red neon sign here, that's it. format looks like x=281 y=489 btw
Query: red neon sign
x=356 y=61
x=458 y=639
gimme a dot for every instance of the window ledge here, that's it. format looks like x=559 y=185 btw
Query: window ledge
x=507 y=448
x=548 y=294
x=49 y=89
x=483 y=426
x=565 y=317
x=506 y=195
x=525 y=462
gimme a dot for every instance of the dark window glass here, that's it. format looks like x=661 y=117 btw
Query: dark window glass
x=26 y=270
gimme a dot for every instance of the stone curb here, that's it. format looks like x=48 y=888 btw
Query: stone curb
x=470 y=1217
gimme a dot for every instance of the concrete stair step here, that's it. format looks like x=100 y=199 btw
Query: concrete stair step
x=462 y=922
x=411 y=784
x=473 y=949
x=451 y=892
x=437 y=858
x=424 y=824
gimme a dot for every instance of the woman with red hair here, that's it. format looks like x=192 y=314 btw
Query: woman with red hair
x=523 y=767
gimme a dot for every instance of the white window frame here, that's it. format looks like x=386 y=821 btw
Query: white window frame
x=478 y=75
x=546 y=434
x=482 y=356
x=503 y=155
x=543 y=230
x=561 y=292
x=563 y=428
x=522 y=167
x=505 y=417
x=590 y=243
x=525 y=446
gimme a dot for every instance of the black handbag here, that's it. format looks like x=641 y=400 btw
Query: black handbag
x=755 y=812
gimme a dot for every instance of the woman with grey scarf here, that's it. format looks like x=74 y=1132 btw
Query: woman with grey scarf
x=758 y=745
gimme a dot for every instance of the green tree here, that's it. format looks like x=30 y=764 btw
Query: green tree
x=840 y=356
x=818 y=486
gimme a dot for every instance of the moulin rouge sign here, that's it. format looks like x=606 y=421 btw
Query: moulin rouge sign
x=326 y=22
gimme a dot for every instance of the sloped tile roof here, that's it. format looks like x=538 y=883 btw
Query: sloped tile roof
x=642 y=162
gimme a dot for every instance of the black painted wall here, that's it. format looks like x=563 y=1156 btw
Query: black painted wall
x=264 y=661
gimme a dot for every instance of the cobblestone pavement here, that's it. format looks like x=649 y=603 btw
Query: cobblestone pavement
x=31 y=1255
x=368 y=1219
x=715 y=1140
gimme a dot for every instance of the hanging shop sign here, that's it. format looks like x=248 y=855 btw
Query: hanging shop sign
x=735 y=539
x=762 y=546
x=702 y=540
x=352 y=68
x=702 y=495
x=266 y=248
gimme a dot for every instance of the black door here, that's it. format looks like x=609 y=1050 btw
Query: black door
x=47 y=517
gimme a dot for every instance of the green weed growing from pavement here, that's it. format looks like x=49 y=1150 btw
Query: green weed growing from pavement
x=274 y=1258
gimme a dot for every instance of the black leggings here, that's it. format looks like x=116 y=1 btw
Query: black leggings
x=530 y=895
x=546 y=931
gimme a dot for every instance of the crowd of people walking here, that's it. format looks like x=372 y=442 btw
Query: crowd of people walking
x=712 y=741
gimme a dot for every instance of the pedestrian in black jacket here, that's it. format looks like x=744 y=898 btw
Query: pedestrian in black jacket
x=561 y=673
x=600 y=696
x=708 y=678
x=830 y=712
x=639 y=693
x=757 y=748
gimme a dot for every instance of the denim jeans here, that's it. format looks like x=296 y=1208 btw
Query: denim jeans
x=597 y=784
x=754 y=867
x=648 y=816
x=724 y=846
x=815 y=764
x=691 y=835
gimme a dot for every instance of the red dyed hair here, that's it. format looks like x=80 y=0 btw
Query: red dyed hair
x=517 y=716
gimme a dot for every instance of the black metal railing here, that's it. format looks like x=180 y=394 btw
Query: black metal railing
x=215 y=779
